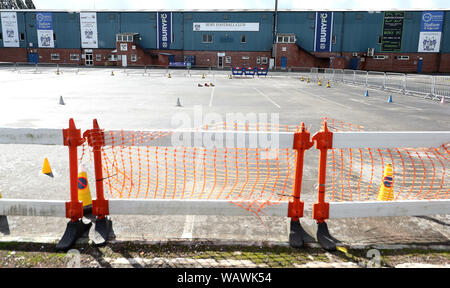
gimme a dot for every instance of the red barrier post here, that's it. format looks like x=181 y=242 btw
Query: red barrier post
x=301 y=144
x=324 y=141
x=96 y=140
x=72 y=139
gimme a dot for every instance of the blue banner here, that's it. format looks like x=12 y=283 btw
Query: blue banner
x=44 y=21
x=44 y=31
x=324 y=31
x=432 y=21
x=164 y=28
x=431 y=32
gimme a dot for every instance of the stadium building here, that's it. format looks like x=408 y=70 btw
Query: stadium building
x=399 y=41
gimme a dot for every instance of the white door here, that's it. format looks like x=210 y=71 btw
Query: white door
x=124 y=60
x=89 y=59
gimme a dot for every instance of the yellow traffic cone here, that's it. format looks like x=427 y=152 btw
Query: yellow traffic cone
x=203 y=76
x=386 y=192
x=302 y=79
x=112 y=73
x=46 y=168
x=84 y=194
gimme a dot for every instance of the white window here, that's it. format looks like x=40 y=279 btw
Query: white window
x=119 y=38
x=98 y=57
x=133 y=57
x=123 y=47
x=207 y=38
x=133 y=47
x=54 y=56
x=380 y=57
x=258 y=60
x=263 y=60
x=402 y=57
x=112 y=57
x=228 y=59
x=286 y=38
x=74 y=57
x=130 y=38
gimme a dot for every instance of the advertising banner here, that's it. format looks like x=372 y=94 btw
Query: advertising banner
x=44 y=24
x=431 y=31
x=10 y=30
x=164 y=28
x=324 y=32
x=392 y=31
x=88 y=29
x=226 y=26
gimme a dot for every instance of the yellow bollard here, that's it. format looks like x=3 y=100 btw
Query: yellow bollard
x=84 y=193
x=386 y=192
x=328 y=84
x=320 y=83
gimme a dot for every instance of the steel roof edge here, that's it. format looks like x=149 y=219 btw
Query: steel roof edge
x=221 y=10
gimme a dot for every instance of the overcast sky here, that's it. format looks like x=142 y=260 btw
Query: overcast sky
x=241 y=4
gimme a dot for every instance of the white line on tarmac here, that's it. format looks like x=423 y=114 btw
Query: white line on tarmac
x=325 y=99
x=212 y=96
x=360 y=101
x=188 y=227
x=268 y=98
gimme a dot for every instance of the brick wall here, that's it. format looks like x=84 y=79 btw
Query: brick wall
x=13 y=55
x=444 y=65
x=142 y=58
x=392 y=64
x=210 y=58
x=297 y=57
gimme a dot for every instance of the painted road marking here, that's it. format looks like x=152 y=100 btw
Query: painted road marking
x=188 y=227
x=268 y=98
x=325 y=99
x=212 y=97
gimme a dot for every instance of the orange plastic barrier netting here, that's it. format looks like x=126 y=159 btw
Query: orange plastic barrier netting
x=418 y=174
x=336 y=125
x=357 y=174
x=245 y=177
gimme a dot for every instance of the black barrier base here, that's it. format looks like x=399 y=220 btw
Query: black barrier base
x=103 y=231
x=4 y=226
x=324 y=238
x=74 y=231
x=298 y=236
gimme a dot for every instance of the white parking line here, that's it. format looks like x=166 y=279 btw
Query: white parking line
x=188 y=227
x=324 y=99
x=212 y=96
x=268 y=98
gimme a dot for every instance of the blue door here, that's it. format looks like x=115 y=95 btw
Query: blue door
x=419 y=65
x=33 y=58
x=171 y=59
x=354 y=63
x=283 y=62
